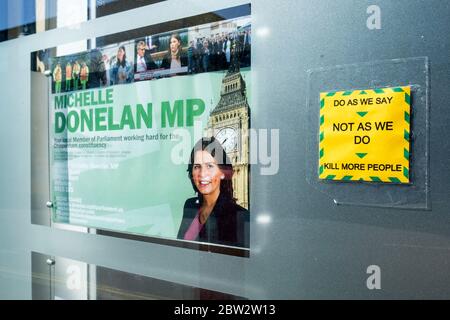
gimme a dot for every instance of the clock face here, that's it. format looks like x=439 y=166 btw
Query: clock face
x=228 y=139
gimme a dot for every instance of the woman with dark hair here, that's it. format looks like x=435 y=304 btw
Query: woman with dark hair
x=121 y=71
x=174 y=59
x=213 y=216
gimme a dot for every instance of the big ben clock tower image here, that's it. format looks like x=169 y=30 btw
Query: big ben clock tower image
x=229 y=123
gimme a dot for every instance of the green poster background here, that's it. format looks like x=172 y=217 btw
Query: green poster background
x=132 y=186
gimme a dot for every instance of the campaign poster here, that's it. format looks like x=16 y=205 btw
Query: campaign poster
x=151 y=136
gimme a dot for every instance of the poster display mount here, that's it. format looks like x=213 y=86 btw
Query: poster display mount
x=131 y=123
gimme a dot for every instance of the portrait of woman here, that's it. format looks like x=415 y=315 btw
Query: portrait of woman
x=121 y=71
x=213 y=216
x=174 y=58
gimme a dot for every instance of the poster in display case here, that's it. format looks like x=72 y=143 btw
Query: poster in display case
x=149 y=137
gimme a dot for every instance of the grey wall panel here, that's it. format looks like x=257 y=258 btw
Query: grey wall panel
x=311 y=248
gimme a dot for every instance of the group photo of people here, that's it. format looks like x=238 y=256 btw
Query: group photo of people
x=70 y=75
x=78 y=72
x=214 y=53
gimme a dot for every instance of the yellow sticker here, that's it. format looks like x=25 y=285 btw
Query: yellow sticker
x=365 y=134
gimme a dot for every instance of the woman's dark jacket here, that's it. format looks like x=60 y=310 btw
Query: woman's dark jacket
x=168 y=58
x=228 y=223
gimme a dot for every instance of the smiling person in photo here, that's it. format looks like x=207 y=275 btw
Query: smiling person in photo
x=213 y=216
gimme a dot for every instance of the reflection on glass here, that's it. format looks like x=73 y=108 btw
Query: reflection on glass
x=17 y=19
x=263 y=32
x=263 y=219
x=24 y=17
x=67 y=279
